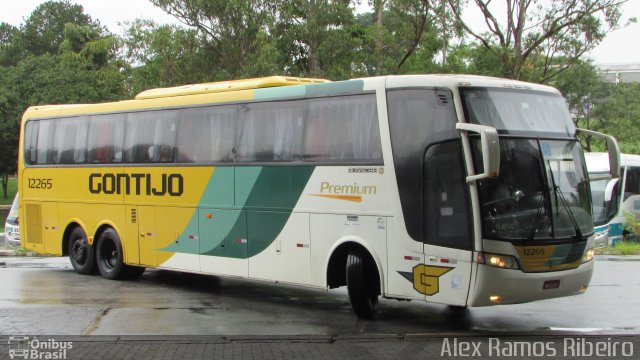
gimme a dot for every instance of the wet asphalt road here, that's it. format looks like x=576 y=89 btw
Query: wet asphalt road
x=45 y=296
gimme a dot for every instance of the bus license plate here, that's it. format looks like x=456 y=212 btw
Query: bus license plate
x=551 y=284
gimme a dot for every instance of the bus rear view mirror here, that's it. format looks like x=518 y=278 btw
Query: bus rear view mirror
x=612 y=149
x=490 y=148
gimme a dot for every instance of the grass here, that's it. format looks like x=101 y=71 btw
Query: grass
x=11 y=192
x=622 y=248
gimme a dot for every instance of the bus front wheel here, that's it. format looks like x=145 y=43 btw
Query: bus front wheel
x=81 y=253
x=361 y=285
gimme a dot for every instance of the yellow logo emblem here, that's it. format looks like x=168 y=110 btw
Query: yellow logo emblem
x=426 y=278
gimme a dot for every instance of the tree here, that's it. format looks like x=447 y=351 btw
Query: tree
x=546 y=36
x=57 y=56
x=43 y=31
x=164 y=55
x=314 y=37
x=233 y=29
x=619 y=115
x=9 y=129
x=406 y=36
x=584 y=89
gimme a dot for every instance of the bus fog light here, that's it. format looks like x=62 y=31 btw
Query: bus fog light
x=588 y=255
x=496 y=299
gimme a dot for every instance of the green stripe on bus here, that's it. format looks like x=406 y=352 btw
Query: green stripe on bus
x=334 y=88
x=265 y=198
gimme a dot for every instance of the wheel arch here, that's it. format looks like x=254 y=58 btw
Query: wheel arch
x=104 y=225
x=337 y=260
x=71 y=225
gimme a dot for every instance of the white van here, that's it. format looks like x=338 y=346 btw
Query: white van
x=11 y=226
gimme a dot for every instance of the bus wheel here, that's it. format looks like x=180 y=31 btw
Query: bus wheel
x=109 y=255
x=81 y=253
x=361 y=286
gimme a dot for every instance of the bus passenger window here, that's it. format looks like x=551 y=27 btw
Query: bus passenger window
x=104 y=140
x=270 y=131
x=343 y=129
x=45 y=142
x=70 y=141
x=150 y=136
x=206 y=135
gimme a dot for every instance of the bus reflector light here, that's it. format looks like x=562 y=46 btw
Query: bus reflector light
x=495 y=299
x=208 y=216
x=583 y=288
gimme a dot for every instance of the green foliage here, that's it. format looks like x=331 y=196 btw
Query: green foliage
x=631 y=223
x=12 y=189
x=619 y=115
x=59 y=55
x=43 y=31
x=162 y=56
x=537 y=39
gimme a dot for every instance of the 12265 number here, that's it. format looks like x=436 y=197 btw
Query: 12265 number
x=37 y=183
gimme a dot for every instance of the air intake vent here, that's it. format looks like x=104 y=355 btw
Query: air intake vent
x=443 y=99
x=34 y=224
x=134 y=216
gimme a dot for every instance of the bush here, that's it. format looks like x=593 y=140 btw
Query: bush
x=632 y=226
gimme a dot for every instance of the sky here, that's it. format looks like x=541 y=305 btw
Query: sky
x=620 y=46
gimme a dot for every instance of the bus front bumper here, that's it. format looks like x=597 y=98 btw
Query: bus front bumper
x=496 y=286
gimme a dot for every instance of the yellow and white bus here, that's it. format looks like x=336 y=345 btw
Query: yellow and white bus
x=461 y=190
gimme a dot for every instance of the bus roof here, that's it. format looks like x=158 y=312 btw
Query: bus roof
x=223 y=86
x=242 y=90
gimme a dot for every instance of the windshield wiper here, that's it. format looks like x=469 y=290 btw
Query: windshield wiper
x=557 y=192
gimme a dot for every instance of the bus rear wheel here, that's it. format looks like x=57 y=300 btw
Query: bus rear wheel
x=110 y=258
x=361 y=285
x=81 y=254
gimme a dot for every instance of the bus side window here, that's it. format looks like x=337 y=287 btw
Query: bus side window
x=343 y=128
x=446 y=197
x=31 y=141
x=270 y=131
x=150 y=136
x=206 y=135
x=632 y=183
x=70 y=141
x=104 y=139
x=45 y=142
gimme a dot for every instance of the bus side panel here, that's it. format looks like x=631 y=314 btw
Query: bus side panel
x=91 y=217
x=287 y=259
x=328 y=230
x=173 y=236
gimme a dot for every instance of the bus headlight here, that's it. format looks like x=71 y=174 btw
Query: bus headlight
x=497 y=260
x=588 y=255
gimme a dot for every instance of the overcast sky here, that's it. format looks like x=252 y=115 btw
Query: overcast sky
x=620 y=46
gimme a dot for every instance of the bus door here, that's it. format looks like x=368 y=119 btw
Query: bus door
x=445 y=275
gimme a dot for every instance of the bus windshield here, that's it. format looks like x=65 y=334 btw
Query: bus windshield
x=518 y=111
x=542 y=191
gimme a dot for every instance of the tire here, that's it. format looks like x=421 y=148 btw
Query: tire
x=362 y=285
x=81 y=254
x=109 y=256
